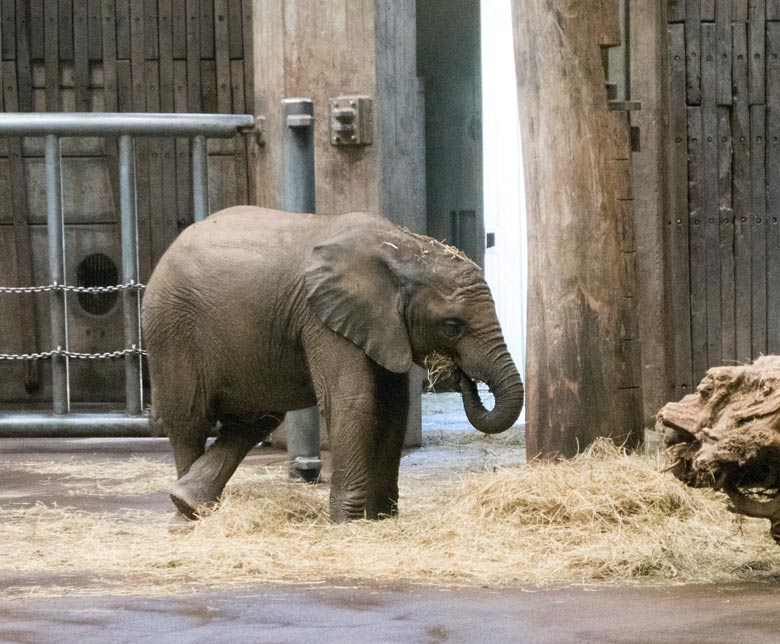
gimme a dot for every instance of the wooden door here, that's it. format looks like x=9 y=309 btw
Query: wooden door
x=722 y=228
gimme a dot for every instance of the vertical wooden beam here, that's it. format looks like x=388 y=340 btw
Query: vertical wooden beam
x=236 y=30
x=728 y=325
x=678 y=211
x=773 y=183
x=758 y=230
x=222 y=54
x=740 y=130
x=122 y=29
x=709 y=193
x=697 y=244
x=723 y=18
x=94 y=31
x=108 y=11
x=8 y=47
x=52 y=55
x=194 y=101
x=693 y=50
x=65 y=36
x=756 y=48
x=81 y=54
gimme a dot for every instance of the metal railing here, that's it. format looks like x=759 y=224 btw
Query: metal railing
x=125 y=126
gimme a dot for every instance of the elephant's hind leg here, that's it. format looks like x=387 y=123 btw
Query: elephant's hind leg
x=208 y=475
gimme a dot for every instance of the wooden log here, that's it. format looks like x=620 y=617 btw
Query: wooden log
x=573 y=309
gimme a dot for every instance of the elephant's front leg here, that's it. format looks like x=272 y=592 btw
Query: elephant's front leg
x=366 y=407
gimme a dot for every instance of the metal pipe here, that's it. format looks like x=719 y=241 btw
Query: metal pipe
x=297 y=195
x=58 y=299
x=130 y=308
x=118 y=123
x=82 y=425
x=200 y=178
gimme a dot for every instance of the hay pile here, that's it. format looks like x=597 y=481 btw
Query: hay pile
x=604 y=516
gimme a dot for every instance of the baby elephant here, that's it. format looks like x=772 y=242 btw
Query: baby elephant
x=254 y=312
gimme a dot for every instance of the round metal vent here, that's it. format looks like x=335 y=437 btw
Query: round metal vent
x=97 y=270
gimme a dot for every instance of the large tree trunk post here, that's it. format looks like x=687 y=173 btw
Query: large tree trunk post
x=583 y=377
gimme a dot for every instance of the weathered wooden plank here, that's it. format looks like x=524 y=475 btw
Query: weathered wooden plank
x=249 y=99
x=94 y=32
x=723 y=18
x=772 y=165
x=151 y=47
x=124 y=86
x=37 y=30
x=183 y=178
x=756 y=48
x=773 y=9
x=708 y=10
x=52 y=55
x=697 y=244
x=709 y=194
x=739 y=11
x=678 y=214
x=194 y=101
x=222 y=53
x=208 y=70
x=81 y=54
x=740 y=131
x=676 y=11
x=758 y=229
x=66 y=29
x=240 y=141
x=179 y=29
x=8 y=30
x=693 y=50
x=122 y=29
x=137 y=50
x=166 y=56
x=109 y=55
x=236 y=30
x=207 y=10
x=727 y=261
x=23 y=56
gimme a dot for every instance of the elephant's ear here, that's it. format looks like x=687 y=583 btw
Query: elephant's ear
x=353 y=291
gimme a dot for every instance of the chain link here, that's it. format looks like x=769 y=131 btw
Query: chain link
x=59 y=351
x=72 y=289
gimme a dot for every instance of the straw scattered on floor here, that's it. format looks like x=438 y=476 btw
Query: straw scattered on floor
x=603 y=517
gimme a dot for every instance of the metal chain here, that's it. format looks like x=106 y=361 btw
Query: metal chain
x=73 y=289
x=59 y=351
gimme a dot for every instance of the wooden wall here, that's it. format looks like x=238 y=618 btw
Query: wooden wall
x=723 y=223
x=111 y=55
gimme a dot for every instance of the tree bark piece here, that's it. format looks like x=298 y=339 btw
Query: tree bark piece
x=727 y=436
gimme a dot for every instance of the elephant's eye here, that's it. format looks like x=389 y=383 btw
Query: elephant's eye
x=452 y=328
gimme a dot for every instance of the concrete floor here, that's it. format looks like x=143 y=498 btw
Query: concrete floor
x=362 y=613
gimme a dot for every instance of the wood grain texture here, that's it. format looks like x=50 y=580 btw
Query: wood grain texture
x=573 y=314
x=772 y=165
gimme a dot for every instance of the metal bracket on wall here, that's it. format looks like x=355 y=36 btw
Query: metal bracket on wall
x=351 y=120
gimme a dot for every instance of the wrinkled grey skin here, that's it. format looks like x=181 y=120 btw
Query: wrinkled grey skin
x=255 y=312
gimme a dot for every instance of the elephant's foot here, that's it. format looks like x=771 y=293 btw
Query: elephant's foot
x=187 y=502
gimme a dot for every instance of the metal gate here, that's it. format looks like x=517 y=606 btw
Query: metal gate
x=723 y=217
x=60 y=420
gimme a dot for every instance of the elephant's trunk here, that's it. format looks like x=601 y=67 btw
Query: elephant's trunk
x=504 y=381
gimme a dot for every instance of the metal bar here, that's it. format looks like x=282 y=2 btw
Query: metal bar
x=57 y=299
x=297 y=195
x=81 y=425
x=298 y=155
x=114 y=124
x=200 y=178
x=129 y=227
